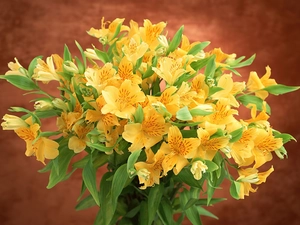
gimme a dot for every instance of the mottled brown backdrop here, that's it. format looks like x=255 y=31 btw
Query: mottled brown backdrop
x=271 y=29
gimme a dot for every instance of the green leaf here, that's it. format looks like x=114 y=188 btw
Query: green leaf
x=99 y=147
x=82 y=53
x=139 y=114
x=107 y=211
x=279 y=89
x=47 y=168
x=187 y=177
x=86 y=203
x=176 y=40
x=184 y=114
x=80 y=66
x=235 y=189
x=143 y=217
x=245 y=63
x=199 y=112
x=154 y=199
x=285 y=137
x=131 y=161
x=211 y=166
x=198 y=47
x=191 y=212
x=204 y=212
x=246 y=99
x=197 y=65
x=89 y=178
x=21 y=82
x=214 y=89
x=119 y=180
x=32 y=65
x=102 y=55
x=236 y=135
x=64 y=158
x=67 y=54
x=165 y=211
x=46 y=113
x=210 y=67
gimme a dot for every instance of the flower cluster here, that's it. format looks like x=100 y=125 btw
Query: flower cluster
x=159 y=112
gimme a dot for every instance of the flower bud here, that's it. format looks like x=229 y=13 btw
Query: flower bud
x=43 y=105
x=71 y=67
x=198 y=168
x=252 y=178
x=60 y=104
x=90 y=53
x=12 y=122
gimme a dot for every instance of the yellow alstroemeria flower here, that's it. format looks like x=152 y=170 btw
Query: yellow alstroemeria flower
x=241 y=150
x=256 y=84
x=105 y=35
x=186 y=94
x=199 y=85
x=169 y=69
x=223 y=114
x=135 y=49
x=178 y=151
x=152 y=167
x=43 y=148
x=168 y=98
x=125 y=71
x=251 y=176
x=264 y=144
x=147 y=133
x=209 y=146
x=48 y=71
x=260 y=119
x=230 y=89
x=66 y=121
x=99 y=78
x=150 y=33
x=77 y=143
x=15 y=68
x=12 y=122
x=122 y=101
x=221 y=56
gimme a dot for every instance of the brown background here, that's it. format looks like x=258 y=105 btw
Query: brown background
x=35 y=27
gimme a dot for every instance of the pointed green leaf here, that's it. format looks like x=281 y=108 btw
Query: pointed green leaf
x=89 y=178
x=236 y=135
x=131 y=161
x=21 y=82
x=200 y=63
x=154 y=199
x=235 y=189
x=176 y=40
x=32 y=65
x=67 y=54
x=279 y=89
x=198 y=47
x=245 y=63
x=64 y=158
x=210 y=67
x=165 y=212
x=102 y=55
x=184 y=114
x=139 y=114
x=82 y=53
x=246 y=99
x=86 y=203
x=211 y=166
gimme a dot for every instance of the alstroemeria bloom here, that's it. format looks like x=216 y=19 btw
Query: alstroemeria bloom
x=43 y=148
x=15 y=68
x=150 y=33
x=251 y=176
x=152 y=167
x=77 y=143
x=198 y=168
x=48 y=71
x=230 y=89
x=147 y=133
x=99 y=78
x=264 y=144
x=135 y=49
x=122 y=101
x=178 y=150
x=256 y=84
x=106 y=35
x=125 y=72
x=169 y=69
x=12 y=122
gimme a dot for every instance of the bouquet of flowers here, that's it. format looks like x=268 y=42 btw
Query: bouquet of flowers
x=161 y=113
